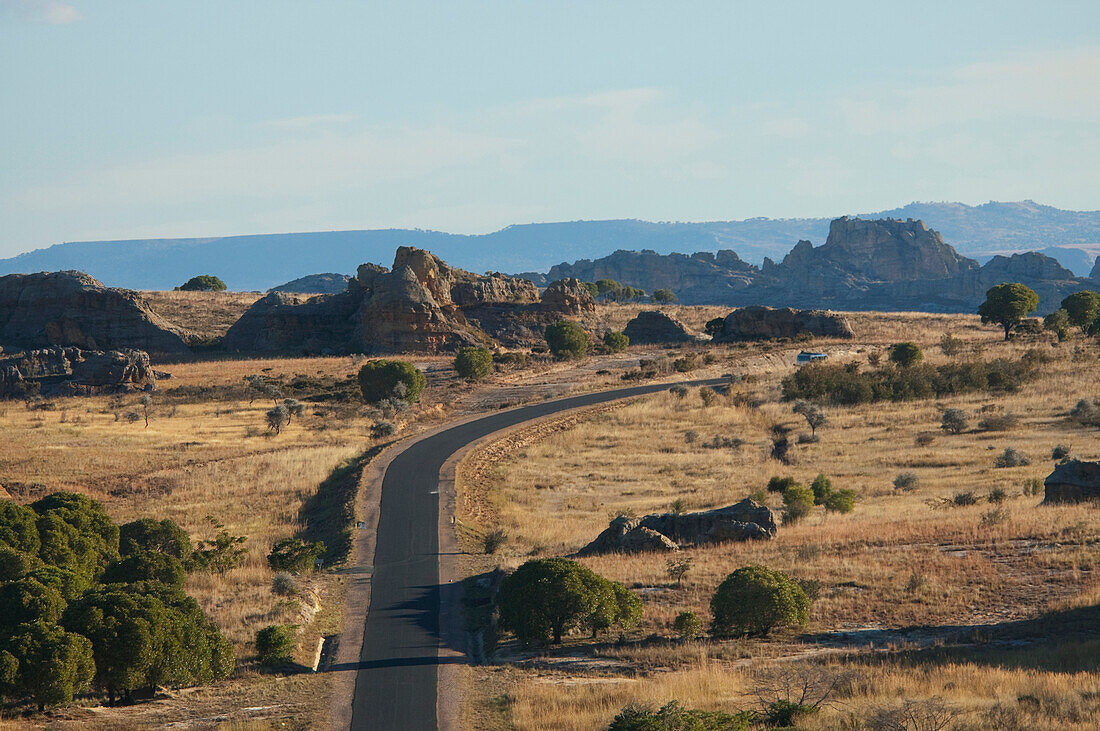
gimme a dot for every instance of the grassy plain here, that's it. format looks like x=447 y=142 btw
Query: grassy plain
x=985 y=615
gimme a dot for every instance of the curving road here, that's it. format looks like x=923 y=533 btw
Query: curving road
x=397 y=673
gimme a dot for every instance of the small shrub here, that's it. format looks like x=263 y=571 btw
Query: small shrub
x=616 y=342
x=678 y=391
x=1011 y=458
x=382 y=429
x=906 y=354
x=841 y=501
x=677 y=569
x=755 y=600
x=907 y=481
x=994 y=516
x=687 y=625
x=494 y=540
x=786 y=714
x=686 y=363
x=708 y=395
x=997 y=496
x=964 y=499
x=779 y=484
x=804 y=438
x=679 y=506
x=283 y=584
x=999 y=422
x=473 y=363
x=924 y=439
x=954 y=421
x=798 y=501
x=391 y=379
x=275 y=645
x=673 y=716
x=1033 y=486
x=1086 y=412
x=1059 y=452
x=951 y=345
x=691 y=436
x=821 y=487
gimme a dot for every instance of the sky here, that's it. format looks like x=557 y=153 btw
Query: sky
x=164 y=118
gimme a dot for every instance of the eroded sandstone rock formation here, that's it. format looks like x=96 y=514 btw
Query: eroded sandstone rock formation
x=652 y=327
x=1073 y=481
x=744 y=521
x=72 y=309
x=421 y=305
x=73 y=372
x=766 y=323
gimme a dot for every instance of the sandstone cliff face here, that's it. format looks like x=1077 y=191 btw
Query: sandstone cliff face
x=73 y=309
x=72 y=371
x=421 y=305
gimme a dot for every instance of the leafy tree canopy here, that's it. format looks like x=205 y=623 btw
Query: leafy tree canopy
x=203 y=283
x=1007 y=305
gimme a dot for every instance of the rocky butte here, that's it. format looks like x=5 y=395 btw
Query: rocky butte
x=72 y=309
x=883 y=264
x=420 y=305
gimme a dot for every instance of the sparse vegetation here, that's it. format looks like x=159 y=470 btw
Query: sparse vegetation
x=1011 y=458
x=954 y=421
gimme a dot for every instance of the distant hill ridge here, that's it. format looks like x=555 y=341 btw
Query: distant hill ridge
x=258 y=262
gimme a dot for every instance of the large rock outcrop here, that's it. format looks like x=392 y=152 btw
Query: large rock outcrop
x=1073 y=481
x=766 y=323
x=1095 y=274
x=72 y=309
x=885 y=264
x=72 y=371
x=653 y=327
x=421 y=305
x=744 y=521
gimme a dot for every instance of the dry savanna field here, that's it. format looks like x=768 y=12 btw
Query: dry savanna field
x=912 y=602
x=928 y=614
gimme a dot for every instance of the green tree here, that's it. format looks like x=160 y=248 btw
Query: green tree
x=592 y=288
x=754 y=600
x=607 y=286
x=276 y=417
x=840 y=501
x=1007 y=305
x=275 y=645
x=14 y=564
x=616 y=342
x=1058 y=323
x=29 y=600
x=663 y=297
x=815 y=417
x=383 y=379
x=220 y=554
x=294 y=554
x=1082 y=308
x=122 y=627
x=906 y=354
x=566 y=339
x=821 y=488
x=148 y=534
x=52 y=664
x=75 y=531
x=18 y=527
x=69 y=584
x=474 y=363
x=954 y=421
x=545 y=598
x=203 y=283
x=146 y=566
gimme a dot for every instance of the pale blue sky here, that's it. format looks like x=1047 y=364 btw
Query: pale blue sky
x=147 y=118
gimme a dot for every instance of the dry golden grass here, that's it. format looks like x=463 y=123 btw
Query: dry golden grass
x=891 y=568
x=206 y=315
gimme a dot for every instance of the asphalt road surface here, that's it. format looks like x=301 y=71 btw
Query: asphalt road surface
x=395 y=685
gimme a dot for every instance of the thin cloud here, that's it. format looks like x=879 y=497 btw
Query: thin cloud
x=52 y=12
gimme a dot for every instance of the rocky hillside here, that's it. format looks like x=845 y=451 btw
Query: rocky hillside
x=420 y=305
x=328 y=283
x=884 y=264
x=73 y=309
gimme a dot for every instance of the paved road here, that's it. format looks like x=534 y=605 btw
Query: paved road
x=395 y=686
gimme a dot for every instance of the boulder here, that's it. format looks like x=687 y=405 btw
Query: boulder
x=651 y=327
x=72 y=309
x=765 y=323
x=746 y=520
x=1073 y=481
x=72 y=372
